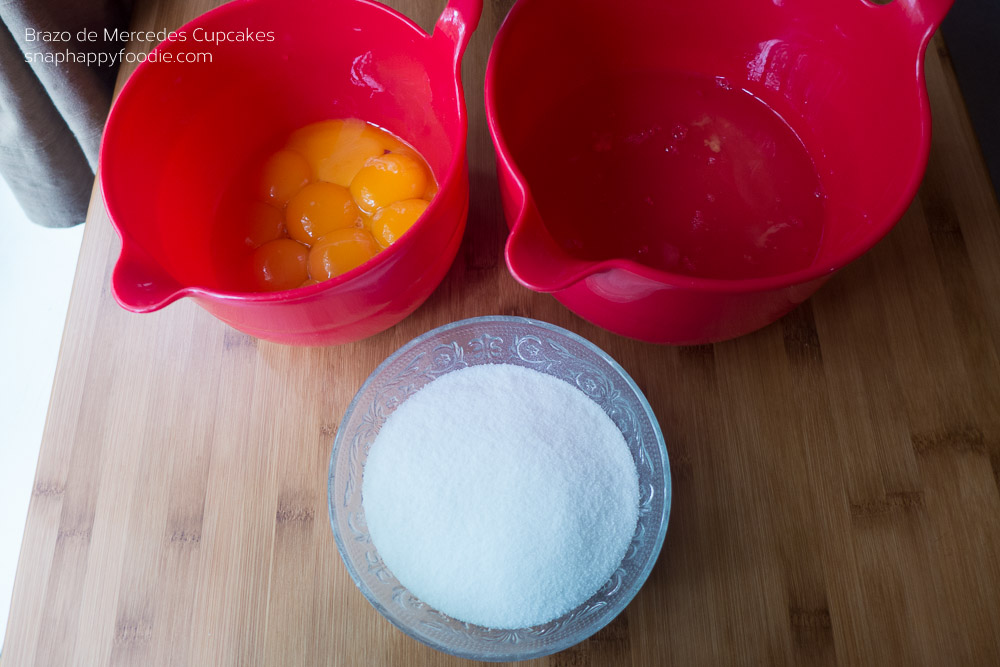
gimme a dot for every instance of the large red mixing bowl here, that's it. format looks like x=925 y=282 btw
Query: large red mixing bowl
x=845 y=76
x=180 y=132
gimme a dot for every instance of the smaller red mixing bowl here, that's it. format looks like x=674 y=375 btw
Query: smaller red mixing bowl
x=209 y=101
x=684 y=172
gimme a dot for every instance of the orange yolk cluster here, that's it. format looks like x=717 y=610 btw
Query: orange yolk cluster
x=337 y=193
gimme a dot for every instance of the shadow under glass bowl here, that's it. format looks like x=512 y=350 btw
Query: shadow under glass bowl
x=497 y=340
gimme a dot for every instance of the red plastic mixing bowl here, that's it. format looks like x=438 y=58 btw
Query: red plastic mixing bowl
x=844 y=79
x=180 y=133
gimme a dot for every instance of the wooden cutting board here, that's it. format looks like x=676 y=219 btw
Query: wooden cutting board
x=835 y=475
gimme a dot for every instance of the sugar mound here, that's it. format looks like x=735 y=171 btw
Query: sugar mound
x=500 y=496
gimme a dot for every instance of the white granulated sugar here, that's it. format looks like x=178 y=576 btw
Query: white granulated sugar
x=500 y=496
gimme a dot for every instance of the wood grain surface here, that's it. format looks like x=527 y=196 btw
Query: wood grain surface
x=836 y=474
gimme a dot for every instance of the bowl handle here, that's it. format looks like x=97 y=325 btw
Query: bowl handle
x=457 y=23
x=925 y=15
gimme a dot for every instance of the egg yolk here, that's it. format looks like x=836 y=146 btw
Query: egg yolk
x=280 y=264
x=337 y=149
x=263 y=223
x=284 y=174
x=432 y=189
x=386 y=179
x=390 y=222
x=332 y=198
x=340 y=251
x=318 y=209
x=366 y=220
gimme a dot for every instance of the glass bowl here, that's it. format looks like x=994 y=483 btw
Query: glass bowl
x=492 y=340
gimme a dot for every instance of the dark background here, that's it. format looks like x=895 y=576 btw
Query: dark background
x=972 y=33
